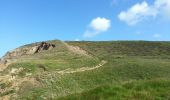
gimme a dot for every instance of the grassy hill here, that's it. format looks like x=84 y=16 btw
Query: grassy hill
x=126 y=48
x=135 y=90
x=87 y=70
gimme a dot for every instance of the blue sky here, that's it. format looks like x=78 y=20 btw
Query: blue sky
x=27 y=21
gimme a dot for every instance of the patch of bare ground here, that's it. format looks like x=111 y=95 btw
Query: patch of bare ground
x=69 y=71
x=2 y=67
x=13 y=82
x=77 y=50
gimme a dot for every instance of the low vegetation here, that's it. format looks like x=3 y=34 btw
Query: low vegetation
x=135 y=90
x=134 y=70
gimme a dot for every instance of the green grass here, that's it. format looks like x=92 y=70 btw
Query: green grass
x=135 y=70
x=116 y=71
x=135 y=90
x=126 y=48
x=4 y=85
x=59 y=58
x=7 y=93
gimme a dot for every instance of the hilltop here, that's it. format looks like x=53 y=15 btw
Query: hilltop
x=86 y=70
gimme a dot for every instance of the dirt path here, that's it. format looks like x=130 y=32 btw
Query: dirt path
x=69 y=71
x=76 y=49
x=16 y=82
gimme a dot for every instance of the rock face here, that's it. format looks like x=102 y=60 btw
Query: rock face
x=43 y=46
x=26 y=51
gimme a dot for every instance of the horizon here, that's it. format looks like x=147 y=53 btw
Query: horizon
x=87 y=41
x=28 y=21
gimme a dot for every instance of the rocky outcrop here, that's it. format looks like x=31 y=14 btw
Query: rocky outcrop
x=28 y=50
x=44 y=46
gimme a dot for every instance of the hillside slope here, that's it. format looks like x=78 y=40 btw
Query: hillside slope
x=89 y=70
x=126 y=48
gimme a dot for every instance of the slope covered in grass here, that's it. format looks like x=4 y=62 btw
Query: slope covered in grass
x=58 y=58
x=118 y=71
x=135 y=90
x=134 y=69
x=126 y=48
x=36 y=66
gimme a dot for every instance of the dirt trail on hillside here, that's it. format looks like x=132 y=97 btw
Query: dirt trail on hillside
x=70 y=71
x=16 y=82
x=77 y=50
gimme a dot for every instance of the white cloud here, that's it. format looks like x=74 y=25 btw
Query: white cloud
x=97 y=26
x=137 y=13
x=142 y=11
x=100 y=24
x=164 y=7
x=156 y=35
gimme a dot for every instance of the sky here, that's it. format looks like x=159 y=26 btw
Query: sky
x=27 y=21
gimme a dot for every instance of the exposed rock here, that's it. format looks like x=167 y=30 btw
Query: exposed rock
x=44 y=46
x=11 y=55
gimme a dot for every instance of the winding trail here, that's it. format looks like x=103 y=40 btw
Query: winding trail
x=16 y=82
x=70 y=71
